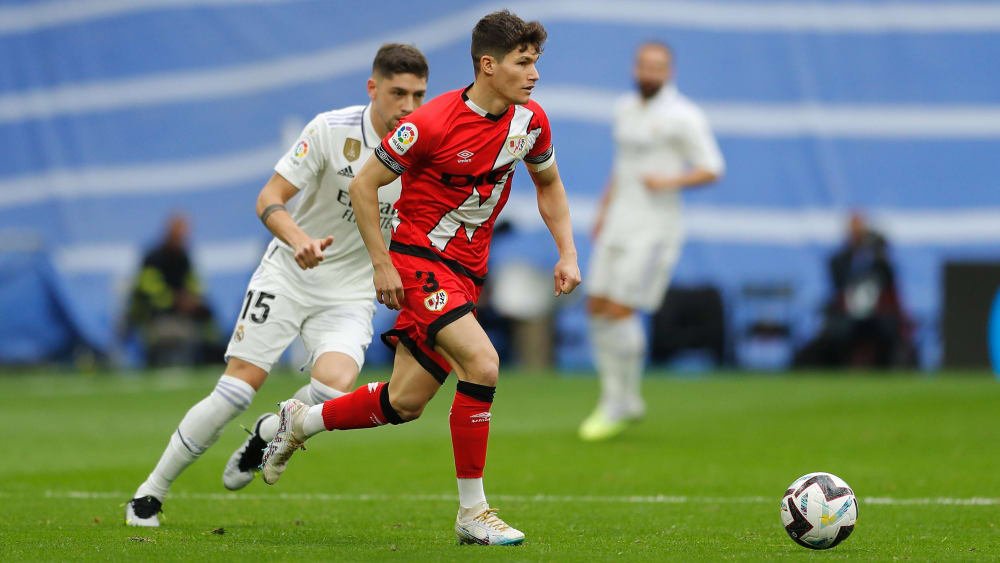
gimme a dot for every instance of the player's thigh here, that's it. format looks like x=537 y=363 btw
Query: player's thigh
x=336 y=370
x=643 y=274
x=601 y=269
x=334 y=333
x=268 y=322
x=467 y=347
x=411 y=386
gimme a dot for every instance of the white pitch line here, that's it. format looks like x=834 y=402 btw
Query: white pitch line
x=633 y=499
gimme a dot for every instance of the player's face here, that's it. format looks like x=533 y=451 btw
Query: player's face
x=653 y=68
x=395 y=97
x=516 y=75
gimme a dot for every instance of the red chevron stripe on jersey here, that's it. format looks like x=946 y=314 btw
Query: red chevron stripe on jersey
x=457 y=162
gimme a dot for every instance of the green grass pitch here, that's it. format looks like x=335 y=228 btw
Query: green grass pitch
x=699 y=479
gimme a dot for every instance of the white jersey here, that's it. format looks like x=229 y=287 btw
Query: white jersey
x=665 y=135
x=321 y=164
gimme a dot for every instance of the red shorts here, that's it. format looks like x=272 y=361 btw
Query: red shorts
x=434 y=295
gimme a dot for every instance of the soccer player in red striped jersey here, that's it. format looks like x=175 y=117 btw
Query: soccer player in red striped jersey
x=456 y=156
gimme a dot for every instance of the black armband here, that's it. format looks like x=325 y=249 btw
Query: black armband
x=269 y=210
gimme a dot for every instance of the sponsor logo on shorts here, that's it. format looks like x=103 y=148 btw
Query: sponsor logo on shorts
x=436 y=301
x=301 y=149
x=238 y=335
x=403 y=138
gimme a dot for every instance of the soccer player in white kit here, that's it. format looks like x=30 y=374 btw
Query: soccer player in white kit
x=663 y=145
x=315 y=279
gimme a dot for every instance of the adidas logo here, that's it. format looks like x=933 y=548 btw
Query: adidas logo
x=346 y=172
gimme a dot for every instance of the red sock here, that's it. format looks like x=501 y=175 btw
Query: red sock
x=365 y=407
x=470 y=428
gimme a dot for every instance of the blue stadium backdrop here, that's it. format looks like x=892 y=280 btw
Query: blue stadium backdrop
x=113 y=113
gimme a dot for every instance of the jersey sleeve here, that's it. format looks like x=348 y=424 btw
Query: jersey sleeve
x=405 y=145
x=700 y=147
x=542 y=153
x=304 y=162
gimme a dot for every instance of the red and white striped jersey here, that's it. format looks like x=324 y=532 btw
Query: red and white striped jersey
x=457 y=161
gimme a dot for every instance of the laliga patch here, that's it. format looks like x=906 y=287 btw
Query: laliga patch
x=301 y=149
x=436 y=301
x=403 y=138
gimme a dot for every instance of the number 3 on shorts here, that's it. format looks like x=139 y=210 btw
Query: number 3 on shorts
x=431 y=285
x=261 y=308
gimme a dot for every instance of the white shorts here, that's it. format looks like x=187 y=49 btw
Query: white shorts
x=269 y=320
x=635 y=275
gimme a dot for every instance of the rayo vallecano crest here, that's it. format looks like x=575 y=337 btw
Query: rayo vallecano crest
x=517 y=146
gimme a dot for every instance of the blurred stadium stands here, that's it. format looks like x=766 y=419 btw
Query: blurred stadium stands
x=114 y=114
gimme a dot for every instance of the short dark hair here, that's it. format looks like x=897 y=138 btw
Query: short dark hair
x=397 y=58
x=501 y=32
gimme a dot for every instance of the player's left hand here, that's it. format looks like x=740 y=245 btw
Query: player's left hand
x=567 y=276
x=658 y=183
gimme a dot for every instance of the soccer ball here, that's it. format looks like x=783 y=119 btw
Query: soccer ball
x=819 y=510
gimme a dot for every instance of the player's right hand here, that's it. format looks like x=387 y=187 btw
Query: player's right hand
x=309 y=255
x=388 y=286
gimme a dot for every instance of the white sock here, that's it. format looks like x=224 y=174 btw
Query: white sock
x=631 y=336
x=602 y=339
x=314 y=393
x=470 y=492
x=198 y=430
x=313 y=423
x=269 y=427
x=317 y=393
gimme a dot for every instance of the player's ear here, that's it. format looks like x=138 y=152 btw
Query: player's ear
x=488 y=65
x=371 y=88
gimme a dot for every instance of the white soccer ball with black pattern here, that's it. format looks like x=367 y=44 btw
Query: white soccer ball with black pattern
x=819 y=510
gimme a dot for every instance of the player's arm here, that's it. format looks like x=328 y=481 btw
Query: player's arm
x=694 y=177
x=700 y=149
x=602 y=207
x=364 y=198
x=554 y=209
x=271 y=210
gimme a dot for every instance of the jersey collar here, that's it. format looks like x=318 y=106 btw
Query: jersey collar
x=472 y=105
x=367 y=129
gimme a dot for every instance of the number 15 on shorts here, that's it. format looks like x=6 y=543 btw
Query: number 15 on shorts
x=260 y=309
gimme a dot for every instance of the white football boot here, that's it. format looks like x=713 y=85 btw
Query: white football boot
x=142 y=511
x=246 y=460
x=285 y=442
x=481 y=525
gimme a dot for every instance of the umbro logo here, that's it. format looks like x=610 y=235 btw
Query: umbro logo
x=465 y=156
x=348 y=171
x=480 y=417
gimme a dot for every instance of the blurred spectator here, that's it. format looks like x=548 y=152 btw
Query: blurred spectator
x=865 y=325
x=166 y=306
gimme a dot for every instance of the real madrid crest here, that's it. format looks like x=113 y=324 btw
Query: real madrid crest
x=517 y=145
x=352 y=149
x=238 y=336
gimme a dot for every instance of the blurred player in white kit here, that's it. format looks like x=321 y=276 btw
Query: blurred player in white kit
x=663 y=145
x=315 y=279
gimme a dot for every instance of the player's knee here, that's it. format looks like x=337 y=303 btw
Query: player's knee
x=246 y=371
x=484 y=369
x=407 y=408
x=407 y=411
